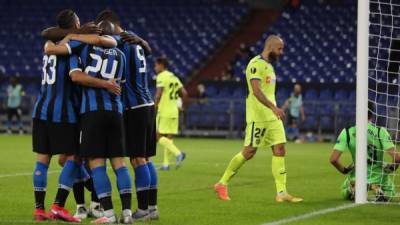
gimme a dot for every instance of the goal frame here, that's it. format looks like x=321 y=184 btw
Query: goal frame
x=362 y=101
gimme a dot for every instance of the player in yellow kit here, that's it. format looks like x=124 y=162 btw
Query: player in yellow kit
x=169 y=89
x=264 y=121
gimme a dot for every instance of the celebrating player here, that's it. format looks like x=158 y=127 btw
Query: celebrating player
x=169 y=88
x=264 y=121
x=379 y=142
x=101 y=118
x=55 y=129
x=139 y=120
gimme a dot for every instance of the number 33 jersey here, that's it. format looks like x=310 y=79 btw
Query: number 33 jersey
x=58 y=99
x=101 y=63
x=168 y=106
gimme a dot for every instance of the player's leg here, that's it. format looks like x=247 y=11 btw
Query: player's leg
x=166 y=128
x=9 y=120
x=179 y=155
x=166 y=156
x=151 y=149
x=64 y=140
x=124 y=185
x=275 y=137
x=102 y=185
x=18 y=114
x=142 y=185
x=40 y=185
x=233 y=167
x=347 y=189
x=251 y=143
x=153 y=190
x=43 y=156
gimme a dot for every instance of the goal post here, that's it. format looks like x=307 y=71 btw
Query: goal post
x=362 y=101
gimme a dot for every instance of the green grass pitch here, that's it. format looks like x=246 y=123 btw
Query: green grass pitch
x=186 y=196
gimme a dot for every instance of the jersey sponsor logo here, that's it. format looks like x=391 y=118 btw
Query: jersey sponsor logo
x=253 y=70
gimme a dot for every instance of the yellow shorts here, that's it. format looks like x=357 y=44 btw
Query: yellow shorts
x=265 y=134
x=165 y=125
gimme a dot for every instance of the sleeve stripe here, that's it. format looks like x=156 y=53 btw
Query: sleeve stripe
x=69 y=48
x=76 y=69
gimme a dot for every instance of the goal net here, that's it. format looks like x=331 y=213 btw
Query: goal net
x=376 y=178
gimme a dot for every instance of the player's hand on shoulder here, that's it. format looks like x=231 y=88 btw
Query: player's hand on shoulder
x=279 y=113
x=113 y=87
x=89 y=28
x=130 y=38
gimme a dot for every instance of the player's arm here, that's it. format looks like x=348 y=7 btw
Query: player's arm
x=184 y=95
x=303 y=115
x=79 y=77
x=84 y=79
x=57 y=33
x=390 y=148
x=52 y=49
x=134 y=39
x=159 y=92
x=285 y=105
x=340 y=146
x=255 y=85
x=93 y=39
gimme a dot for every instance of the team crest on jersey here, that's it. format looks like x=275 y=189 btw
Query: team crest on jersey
x=257 y=141
x=270 y=80
x=253 y=70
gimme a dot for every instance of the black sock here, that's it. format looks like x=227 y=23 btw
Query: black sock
x=143 y=199
x=126 y=200
x=153 y=197
x=61 y=197
x=79 y=193
x=89 y=186
x=39 y=199
x=94 y=196
x=106 y=203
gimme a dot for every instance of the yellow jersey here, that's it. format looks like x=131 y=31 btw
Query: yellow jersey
x=168 y=105
x=258 y=68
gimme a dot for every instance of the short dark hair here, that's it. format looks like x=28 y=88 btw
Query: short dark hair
x=371 y=109
x=107 y=27
x=66 y=18
x=163 y=61
x=109 y=16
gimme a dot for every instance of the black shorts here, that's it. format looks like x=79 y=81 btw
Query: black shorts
x=11 y=112
x=140 y=132
x=292 y=119
x=55 y=138
x=102 y=135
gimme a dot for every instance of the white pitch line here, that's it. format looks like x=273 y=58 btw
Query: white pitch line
x=25 y=174
x=311 y=214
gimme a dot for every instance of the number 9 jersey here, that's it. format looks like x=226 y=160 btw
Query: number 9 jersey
x=168 y=106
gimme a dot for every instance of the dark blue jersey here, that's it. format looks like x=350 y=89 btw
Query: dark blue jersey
x=135 y=92
x=102 y=63
x=57 y=100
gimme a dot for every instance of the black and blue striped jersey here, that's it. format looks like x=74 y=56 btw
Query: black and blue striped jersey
x=136 y=92
x=101 y=63
x=58 y=99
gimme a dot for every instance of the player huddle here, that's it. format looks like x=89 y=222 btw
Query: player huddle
x=95 y=104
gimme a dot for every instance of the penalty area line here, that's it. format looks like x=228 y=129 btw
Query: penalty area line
x=311 y=214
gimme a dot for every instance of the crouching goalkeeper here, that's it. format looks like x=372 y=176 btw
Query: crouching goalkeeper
x=379 y=179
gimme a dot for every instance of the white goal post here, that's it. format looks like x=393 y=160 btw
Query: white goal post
x=362 y=101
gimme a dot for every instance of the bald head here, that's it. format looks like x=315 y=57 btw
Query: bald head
x=273 y=47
